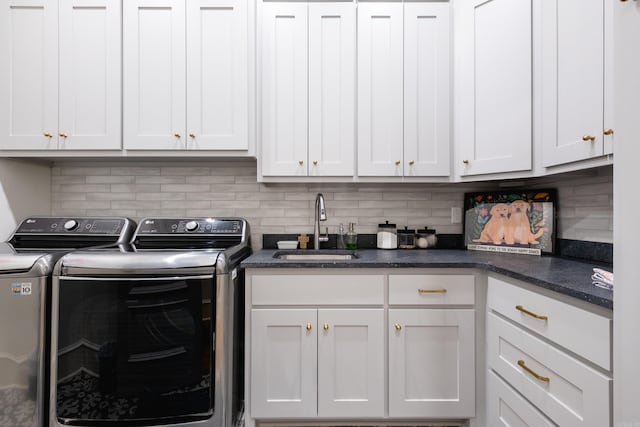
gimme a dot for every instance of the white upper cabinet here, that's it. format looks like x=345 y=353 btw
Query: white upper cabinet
x=494 y=86
x=403 y=89
x=60 y=78
x=380 y=89
x=576 y=102
x=427 y=89
x=185 y=75
x=307 y=58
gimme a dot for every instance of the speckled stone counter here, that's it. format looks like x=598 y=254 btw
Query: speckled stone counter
x=568 y=277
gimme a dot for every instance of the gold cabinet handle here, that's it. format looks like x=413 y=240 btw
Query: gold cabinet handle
x=48 y=135
x=432 y=291
x=177 y=135
x=398 y=327
x=588 y=138
x=192 y=136
x=315 y=163
x=411 y=162
x=465 y=161
x=308 y=326
x=397 y=162
x=525 y=311
x=326 y=327
x=62 y=134
x=300 y=162
x=532 y=373
x=608 y=131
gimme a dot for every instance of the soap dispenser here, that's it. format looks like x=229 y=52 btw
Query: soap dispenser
x=351 y=239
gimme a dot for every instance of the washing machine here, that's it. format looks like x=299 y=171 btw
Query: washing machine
x=151 y=334
x=26 y=263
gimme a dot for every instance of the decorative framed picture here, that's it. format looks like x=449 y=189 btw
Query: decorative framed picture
x=513 y=221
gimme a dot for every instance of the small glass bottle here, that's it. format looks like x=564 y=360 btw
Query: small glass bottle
x=406 y=238
x=340 y=238
x=351 y=238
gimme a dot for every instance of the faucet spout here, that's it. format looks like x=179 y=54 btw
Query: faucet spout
x=320 y=215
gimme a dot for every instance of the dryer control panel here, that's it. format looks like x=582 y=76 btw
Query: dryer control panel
x=173 y=226
x=67 y=225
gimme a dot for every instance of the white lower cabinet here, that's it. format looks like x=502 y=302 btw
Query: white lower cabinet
x=431 y=363
x=528 y=352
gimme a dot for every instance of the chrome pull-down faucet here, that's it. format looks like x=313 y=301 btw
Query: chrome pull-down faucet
x=320 y=215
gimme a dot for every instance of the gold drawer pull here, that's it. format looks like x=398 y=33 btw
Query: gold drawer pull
x=397 y=162
x=48 y=135
x=588 y=138
x=398 y=327
x=432 y=291
x=326 y=327
x=533 y=374
x=525 y=311
x=308 y=326
x=608 y=131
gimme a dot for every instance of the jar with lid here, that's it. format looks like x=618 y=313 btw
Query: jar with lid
x=387 y=237
x=426 y=238
x=406 y=238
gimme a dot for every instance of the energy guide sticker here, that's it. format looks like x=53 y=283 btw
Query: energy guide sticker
x=21 y=288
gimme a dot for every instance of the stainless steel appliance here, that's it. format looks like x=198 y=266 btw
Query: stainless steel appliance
x=151 y=334
x=26 y=263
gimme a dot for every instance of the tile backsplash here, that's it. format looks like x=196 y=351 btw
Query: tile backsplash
x=230 y=188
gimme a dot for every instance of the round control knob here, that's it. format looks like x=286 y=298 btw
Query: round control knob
x=70 y=225
x=191 y=226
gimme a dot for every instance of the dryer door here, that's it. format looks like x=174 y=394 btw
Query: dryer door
x=134 y=349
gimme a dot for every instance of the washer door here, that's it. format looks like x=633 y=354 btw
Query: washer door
x=136 y=348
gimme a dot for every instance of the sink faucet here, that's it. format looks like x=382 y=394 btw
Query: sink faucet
x=320 y=215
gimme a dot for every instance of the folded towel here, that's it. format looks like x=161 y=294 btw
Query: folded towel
x=602 y=278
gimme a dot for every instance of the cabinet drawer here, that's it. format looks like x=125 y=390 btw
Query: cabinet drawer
x=585 y=333
x=569 y=392
x=505 y=406
x=315 y=289
x=431 y=289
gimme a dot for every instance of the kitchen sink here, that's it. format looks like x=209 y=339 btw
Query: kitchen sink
x=322 y=255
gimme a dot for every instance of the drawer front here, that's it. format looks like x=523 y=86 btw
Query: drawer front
x=569 y=392
x=506 y=407
x=316 y=289
x=431 y=289
x=578 y=330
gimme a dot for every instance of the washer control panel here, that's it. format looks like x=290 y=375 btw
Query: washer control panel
x=199 y=226
x=75 y=226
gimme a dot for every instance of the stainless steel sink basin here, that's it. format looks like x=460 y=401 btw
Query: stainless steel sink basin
x=322 y=255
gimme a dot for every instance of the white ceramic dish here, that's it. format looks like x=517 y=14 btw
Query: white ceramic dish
x=287 y=244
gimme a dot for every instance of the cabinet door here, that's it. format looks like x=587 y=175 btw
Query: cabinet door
x=154 y=74
x=90 y=75
x=283 y=363
x=283 y=59
x=494 y=123
x=431 y=363
x=217 y=79
x=332 y=67
x=380 y=89
x=573 y=73
x=29 y=74
x=427 y=89
x=351 y=363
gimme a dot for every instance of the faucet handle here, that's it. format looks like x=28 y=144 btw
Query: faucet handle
x=325 y=238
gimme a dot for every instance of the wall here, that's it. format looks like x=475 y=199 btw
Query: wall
x=230 y=188
x=25 y=189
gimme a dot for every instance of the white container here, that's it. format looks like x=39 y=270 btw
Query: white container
x=387 y=237
x=287 y=244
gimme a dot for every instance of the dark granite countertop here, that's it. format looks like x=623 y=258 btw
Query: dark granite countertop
x=568 y=277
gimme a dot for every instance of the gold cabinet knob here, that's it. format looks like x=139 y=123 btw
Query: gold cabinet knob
x=315 y=163
x=608 y=131
x=300 y=162
x=326 y=327
x=588 y=138
x=192 y=135
x=308 y=326
x=397 y=162
x=398 y=327
x=177 y=135
x=62 y=134
x=465 y=161
x=48 y=135
x=411 y=162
